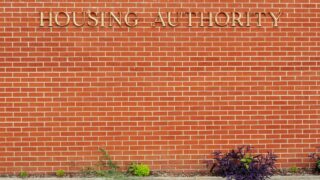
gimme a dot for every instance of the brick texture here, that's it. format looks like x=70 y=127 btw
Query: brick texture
x=165 y=96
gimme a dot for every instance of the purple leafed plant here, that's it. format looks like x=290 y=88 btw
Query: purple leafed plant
x=239 y=164
x=316 y=157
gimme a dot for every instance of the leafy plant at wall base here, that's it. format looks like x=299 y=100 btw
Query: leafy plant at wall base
x=246 y=161
x=240 y=165
x=105 y=168
x=293 y=169
x=60 y=173
x=316 y=157
x=23 y=174
x=139 y=169
x=107 y=163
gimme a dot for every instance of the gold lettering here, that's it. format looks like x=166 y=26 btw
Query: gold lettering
x=259 y=18
x=275 y=18
x=102 y=18
x=42 y=18
x=217 y=16
x=169 y=20
x=236 y=19
x=75 y=21
x=248 y=19
x=190 y=18
x=93 y=17
x=221 y=19
x=202 y=19
x=126 y=19
x=114 y=17
x=159 y=19
x=66 y=15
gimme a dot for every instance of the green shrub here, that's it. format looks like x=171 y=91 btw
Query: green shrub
x=23 y=174
x=60 y=173
x=139 y=169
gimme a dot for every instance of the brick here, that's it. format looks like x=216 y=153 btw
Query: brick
x=167 y=96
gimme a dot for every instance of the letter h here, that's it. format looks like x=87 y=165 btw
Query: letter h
x=42 y=19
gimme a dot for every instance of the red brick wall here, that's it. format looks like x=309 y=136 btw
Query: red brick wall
x=166 y=96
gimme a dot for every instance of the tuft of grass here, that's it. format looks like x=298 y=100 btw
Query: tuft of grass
x=293 y=169
x=23 y=174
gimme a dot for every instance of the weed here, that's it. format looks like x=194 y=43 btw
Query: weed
x=139 y=169
x=105 y=168
x=293 y=169
x=23 y=174
x=60 y=173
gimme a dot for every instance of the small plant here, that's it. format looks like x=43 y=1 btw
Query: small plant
x=316 y=157
x=60 y=173
x=105 y=168
x=293 y=169
x=139 y=169
x=23 y=174
x=107 y=165
x=246 y=161
x=239 y=164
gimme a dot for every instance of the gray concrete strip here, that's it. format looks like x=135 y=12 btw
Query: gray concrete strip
x=309 y=177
